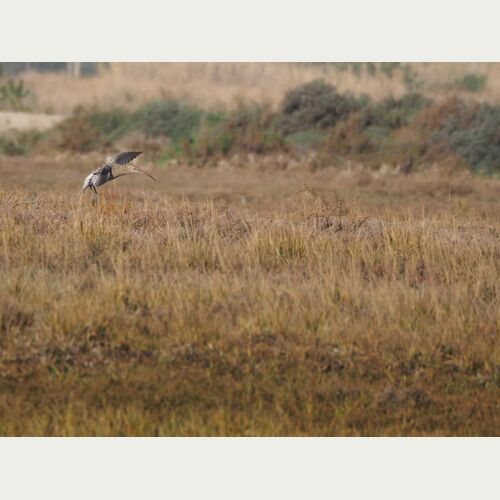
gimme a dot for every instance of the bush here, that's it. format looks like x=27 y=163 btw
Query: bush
x=9 y=147
x=392 y=113
x=313 y=117
x=369 y=130
x=90 y=129
x=80 y=133
x=471 y=82
x=212 y=139
x=19 y=142
x=111 y=123
x=13 y=95
x=315 y=105
x=432 y=118
x=350 y=137
x=473 y=133
x=166 y=118
x=249 y=128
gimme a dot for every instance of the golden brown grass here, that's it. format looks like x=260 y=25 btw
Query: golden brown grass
x=202 y=84
x=220 y=84
x=233 y=301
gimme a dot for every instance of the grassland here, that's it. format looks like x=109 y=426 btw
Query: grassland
x=210 y=85
x=310 y=261
x=257 y=297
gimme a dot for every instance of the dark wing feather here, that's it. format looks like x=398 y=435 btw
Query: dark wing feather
x=124 y=158
x=102 y=178
x=99 y=170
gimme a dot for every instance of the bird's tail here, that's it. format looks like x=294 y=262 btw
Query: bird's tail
x=82 y=190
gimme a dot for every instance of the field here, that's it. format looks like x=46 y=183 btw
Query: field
x=215 y=84
x=269 y=299
x=319 y=256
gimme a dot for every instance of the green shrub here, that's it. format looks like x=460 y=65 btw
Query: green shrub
x=392 y=113
x=13 y=95
x=315 y=105
x=249 y=128
x=110 y=123
x=19 y=142
x=166 y=118
x=369 y=131
x=312 y=117
x=212 y=140
x=79 y=133
x=9 y=147
x=91 y=129
x=473 y=133
x=352 y=136
x=471 y=82
x=252 y=128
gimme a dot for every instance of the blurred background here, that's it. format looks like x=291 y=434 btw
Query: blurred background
x=213 y=84
x=382 y=117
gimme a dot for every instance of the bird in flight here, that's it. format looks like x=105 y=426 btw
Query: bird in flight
x=119 y=164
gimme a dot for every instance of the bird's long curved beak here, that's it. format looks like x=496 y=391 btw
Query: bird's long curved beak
x=139 y=171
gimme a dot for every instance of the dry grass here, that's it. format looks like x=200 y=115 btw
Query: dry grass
x=202 y=84
x=220 y=84
x=236 y=301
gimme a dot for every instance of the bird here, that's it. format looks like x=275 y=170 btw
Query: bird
x=119 y=163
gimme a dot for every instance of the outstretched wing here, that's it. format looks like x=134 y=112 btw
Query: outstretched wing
x=124 y=158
